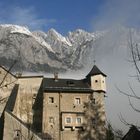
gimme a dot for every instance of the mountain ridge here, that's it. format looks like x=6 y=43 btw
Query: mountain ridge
x=50 y=51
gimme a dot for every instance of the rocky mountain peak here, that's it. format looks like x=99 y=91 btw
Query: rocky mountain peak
x=15 y=29
x=49 y=52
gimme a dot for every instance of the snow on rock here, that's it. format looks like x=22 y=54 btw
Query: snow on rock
x=17 y=29
x=43 y=43
x=24 y=30
x=98 y=34
x=59 y=37
x=49 y=50
x=79 y=37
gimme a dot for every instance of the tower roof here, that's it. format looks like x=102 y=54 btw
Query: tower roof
x=95 y=71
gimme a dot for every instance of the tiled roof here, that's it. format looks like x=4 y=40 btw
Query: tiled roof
x=95 y=71
x=66 y=85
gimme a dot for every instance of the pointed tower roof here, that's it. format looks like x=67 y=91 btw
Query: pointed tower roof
x=95 y=71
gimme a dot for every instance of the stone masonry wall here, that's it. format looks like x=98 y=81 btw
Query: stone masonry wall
x=14 y=129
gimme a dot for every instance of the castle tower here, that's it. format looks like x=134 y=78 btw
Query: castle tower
x=96 y=80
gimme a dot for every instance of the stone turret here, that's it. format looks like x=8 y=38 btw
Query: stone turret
x=96 y=79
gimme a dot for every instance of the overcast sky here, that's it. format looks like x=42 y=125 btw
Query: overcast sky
x=90 y=15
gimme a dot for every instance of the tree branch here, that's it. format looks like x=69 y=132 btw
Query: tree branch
x=123 y=120
x=134 y=108
x=7 y=73
x=126 y=94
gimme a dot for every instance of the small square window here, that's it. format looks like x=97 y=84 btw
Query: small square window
x=77 y=101
x=68 y=119
x=79 y=120
x=51 y=100
x=96 y=81
x=51 y=119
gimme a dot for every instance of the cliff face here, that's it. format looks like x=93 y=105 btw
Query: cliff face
x=50 y=52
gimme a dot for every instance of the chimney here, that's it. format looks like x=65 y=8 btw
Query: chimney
x=56 y=76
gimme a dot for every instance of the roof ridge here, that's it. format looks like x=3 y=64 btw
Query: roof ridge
x=95 y=71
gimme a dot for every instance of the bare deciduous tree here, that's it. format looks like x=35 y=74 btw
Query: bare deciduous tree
x=134 y=49
x=6 y=84
x=132 y=95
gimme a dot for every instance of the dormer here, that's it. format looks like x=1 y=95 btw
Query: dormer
x=96 y=79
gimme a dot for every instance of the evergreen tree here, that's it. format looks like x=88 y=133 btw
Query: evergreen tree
x=93 y=127
x=109 y=132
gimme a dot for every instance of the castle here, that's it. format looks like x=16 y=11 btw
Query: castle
x=53 y=108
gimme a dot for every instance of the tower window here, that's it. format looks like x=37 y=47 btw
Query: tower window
x=96 y=81
x=51 y=100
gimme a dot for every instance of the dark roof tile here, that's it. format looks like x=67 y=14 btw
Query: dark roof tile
x=95 y=71
x=70 y=85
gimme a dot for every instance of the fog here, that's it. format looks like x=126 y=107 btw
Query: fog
x=114 y=12
x=114 y=58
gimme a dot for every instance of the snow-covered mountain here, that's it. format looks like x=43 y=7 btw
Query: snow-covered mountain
x=50 y=51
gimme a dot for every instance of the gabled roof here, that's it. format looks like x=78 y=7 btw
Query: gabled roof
x=66 y=85
x=95 y=71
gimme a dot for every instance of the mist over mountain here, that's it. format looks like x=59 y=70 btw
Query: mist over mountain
x=51 y=52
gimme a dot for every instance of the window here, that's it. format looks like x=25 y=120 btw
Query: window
x=79 y=120
x=68 y=119
x=70 y=83
x=51 y=120
x=51 y=100
x=96 y=81
x=77 y=101
x=17 y=135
